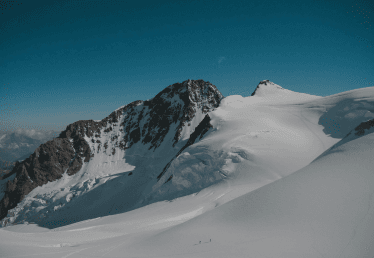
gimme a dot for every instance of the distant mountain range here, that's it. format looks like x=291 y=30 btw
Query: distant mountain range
x=149 y=150
x=20 y=144
x=141 y=134
x=193 y=173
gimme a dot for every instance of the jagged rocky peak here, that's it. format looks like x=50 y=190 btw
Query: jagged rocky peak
x=265 y=86
x=149 y=121
x=197 y=91
x=267 y=82
x=178 y=103
x=171 y=111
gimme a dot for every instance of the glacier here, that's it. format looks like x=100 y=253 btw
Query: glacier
x=275 y=174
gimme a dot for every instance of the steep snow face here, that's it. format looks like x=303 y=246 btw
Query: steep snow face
x=361 y=130
x=141 y=137
x=344 y=111
x=250 y=145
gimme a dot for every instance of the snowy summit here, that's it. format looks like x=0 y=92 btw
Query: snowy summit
x=269 y=91
x=266 y=87
x=193 y=173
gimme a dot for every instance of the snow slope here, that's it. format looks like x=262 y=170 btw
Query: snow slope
x=323 y=210
x=249 y=185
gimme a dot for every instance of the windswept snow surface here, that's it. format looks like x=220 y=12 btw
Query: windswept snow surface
x=323 y=210
x=249 y=185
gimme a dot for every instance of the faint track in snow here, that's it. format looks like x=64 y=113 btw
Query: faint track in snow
x=314 y=236
x=74 y=253
x=28 y=255
x=112 y=248
x=371 y=196
x=301 y=113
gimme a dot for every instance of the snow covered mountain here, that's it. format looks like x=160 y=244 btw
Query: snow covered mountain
x=190 y=173
x=134 y=143
x=325 y=209
x=269 y=91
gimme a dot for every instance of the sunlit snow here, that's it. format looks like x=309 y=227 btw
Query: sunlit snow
x=276 y=176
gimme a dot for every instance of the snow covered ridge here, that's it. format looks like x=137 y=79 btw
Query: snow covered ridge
x=246 y=177
x=361 y=130
x=174 y=112
x=271 y=92
x=184 y=140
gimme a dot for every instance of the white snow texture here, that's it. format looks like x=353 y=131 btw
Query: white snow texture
x=280 y=174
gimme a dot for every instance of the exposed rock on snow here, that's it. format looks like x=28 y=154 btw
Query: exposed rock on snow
x=246 y=170
x=185 y=139
x=364 y=127
x=200 y=130
x=46 y=164
x=174 y=109
x=266 y=84
x=20 y=144
x=268 y=91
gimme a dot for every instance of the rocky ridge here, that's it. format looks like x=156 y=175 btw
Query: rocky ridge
x=172 y=111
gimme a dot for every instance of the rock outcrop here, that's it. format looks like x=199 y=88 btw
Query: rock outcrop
x=146 y=122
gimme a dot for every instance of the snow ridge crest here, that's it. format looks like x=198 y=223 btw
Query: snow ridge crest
x=265 y=86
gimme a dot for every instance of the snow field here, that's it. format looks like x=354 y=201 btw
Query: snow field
x=249 y=185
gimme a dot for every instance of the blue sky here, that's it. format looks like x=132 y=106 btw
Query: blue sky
x=65 y=60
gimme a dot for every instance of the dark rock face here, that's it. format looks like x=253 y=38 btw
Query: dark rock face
x=171 y=177
x=264 y=82
x=199 y=132
x=139 y=121
x=19 y=145
x=46 y=164
x=52 y=159
x=360 y=130
x=194 y=95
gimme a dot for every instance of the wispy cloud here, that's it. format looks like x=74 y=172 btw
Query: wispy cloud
x=221 y=59
x=36 y=134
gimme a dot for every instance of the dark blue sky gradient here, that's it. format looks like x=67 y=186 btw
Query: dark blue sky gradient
x=63 y=61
